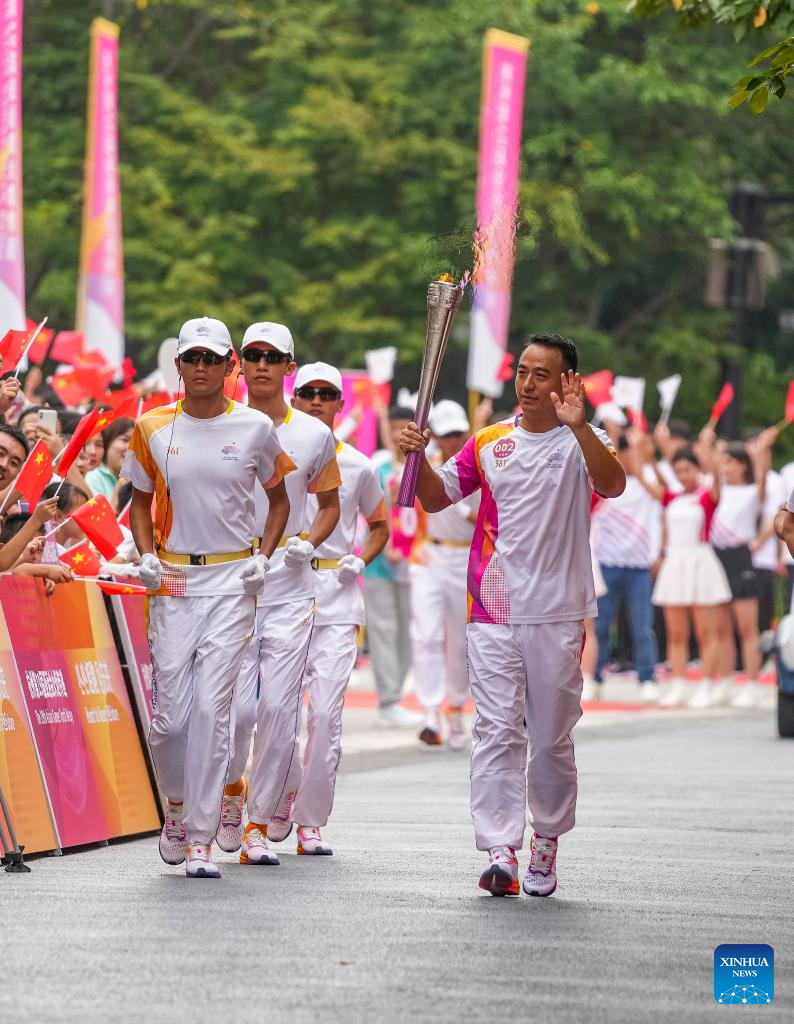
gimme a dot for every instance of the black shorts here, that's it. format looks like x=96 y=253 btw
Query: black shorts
x=738 y=566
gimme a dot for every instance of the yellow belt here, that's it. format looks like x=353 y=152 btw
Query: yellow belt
x=231 y=556
x=448 y=543
x=325 y=563
x=283 y=542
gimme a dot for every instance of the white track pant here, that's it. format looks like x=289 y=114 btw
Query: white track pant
x=277 y=660
x=332 y=656
x=198 y=645
x=533 y=674
x=438 y=626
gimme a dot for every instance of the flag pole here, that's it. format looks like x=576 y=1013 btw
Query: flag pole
x=28 y=347
x=55 y=530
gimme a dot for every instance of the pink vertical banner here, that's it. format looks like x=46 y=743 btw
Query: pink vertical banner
x=501 y=112
x=12 y=256
x=100 y=301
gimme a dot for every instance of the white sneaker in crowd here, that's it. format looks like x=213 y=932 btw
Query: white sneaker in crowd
x=747 y=696
x=591 y=690
x=281 y=823
x=457 y=734
x=541 y=874
x=650 y=691
x=395 y=716
x=254 y=848
x=310 y=842
x=703 y=697
x=673 y=694
x=198 y=861
x=722 y=692
x=230 y=831
x=500 y=878
x=173 y=838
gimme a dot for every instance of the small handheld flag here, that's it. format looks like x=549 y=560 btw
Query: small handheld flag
x=598 y=387
x=724 y=399
x=97 y=520
x=81 y=560
x=35 y=474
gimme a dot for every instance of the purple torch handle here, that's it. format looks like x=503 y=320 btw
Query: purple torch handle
x=413 y=460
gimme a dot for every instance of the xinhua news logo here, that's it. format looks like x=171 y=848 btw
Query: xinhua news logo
x=744 y=973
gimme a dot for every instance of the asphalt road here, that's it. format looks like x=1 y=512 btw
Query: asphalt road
x=684 y=841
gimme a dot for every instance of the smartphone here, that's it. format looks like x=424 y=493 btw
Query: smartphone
x=48 y=419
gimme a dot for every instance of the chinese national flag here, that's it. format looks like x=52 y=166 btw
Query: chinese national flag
x=38 y=352
x=68 y=389
x=116 y=398
x=790 y=403
x=114 y=587
x=107 y=416
x=67 y=347
x=155 y=401
x=81 y=560
x=35 y=474
x=723 y=401
x=97 y=520
x=83 y=431
x=12 y=346
x=598 y=387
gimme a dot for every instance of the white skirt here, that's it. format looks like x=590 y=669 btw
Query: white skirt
x=691 y=576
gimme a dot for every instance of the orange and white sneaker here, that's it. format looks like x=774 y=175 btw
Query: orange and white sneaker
x=541 y=875
x=173 y=838
x=198 y=861
x=280 y=824
x=254 y=848
x=500 y=878
x=230 y=831
x=310 y=842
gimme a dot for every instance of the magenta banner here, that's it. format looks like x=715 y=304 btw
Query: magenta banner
x=12 y=256
x=504 y=71
x=100 y=306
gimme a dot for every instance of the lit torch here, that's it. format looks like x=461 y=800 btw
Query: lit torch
x=443 y=299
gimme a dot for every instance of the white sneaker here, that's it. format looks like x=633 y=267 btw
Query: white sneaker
x=198 y=862
x=673 y=694
x=395 y=716
x=541 y=874
x=310 y=842
x=591 y=690
x=457 y=734
x=500 y=878
x=281 y=824
x=747 y=696
x=254 y=848
x=230 y=831
x=721 y=693
x=173 y=838
x=650 y=692
x=703 y=696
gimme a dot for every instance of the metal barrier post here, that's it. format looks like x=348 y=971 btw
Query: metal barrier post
x=14 y=863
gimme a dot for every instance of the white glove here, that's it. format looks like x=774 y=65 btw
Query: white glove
x=297 y=553
x=150 y=571
x=253 y=575
x=350 y=568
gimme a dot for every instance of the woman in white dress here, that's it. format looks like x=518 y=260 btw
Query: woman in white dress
x=691 y=584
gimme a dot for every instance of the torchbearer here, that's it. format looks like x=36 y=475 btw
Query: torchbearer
x=339 y=608
x=530 y=585
x=203 y=458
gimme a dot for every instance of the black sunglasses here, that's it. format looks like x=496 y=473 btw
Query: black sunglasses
x=253 y=355
x=198 y=355
x=324 y=394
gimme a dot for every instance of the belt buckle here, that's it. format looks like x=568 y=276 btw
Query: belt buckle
x=315 y=563
x=198 y=560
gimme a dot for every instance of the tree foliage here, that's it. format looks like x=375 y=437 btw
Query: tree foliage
x=315 y=162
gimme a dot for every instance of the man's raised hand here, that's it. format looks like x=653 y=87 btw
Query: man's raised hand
x=570 y=408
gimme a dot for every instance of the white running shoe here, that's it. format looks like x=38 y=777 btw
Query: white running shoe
x=458 y=734
x=673 y=694
x=747 y=696
x=500 y=878
x=280 y=824
x=254 y=848
x=198 y=861
x=310 y=842
x=541 y=874
x=703 y=696
x=721 y=693
x=650 y=692
x=395 y=716
x=173 y=838
x=591 y=690
x=230 y=831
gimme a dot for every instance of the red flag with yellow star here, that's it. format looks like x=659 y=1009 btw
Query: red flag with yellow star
x=97 y=520
x=82 y=432
x=40 y=347
x=35 y=474
x=107 y=416
x=81 y=560
x=12 y=346
x=68 y=388
x=114 y=587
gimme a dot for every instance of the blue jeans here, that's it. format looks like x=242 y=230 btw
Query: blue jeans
x=636 y=587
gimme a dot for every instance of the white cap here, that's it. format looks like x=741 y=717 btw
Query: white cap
x=319 y=371
x=276 y=335
x=448 y=418
x=204 y=332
